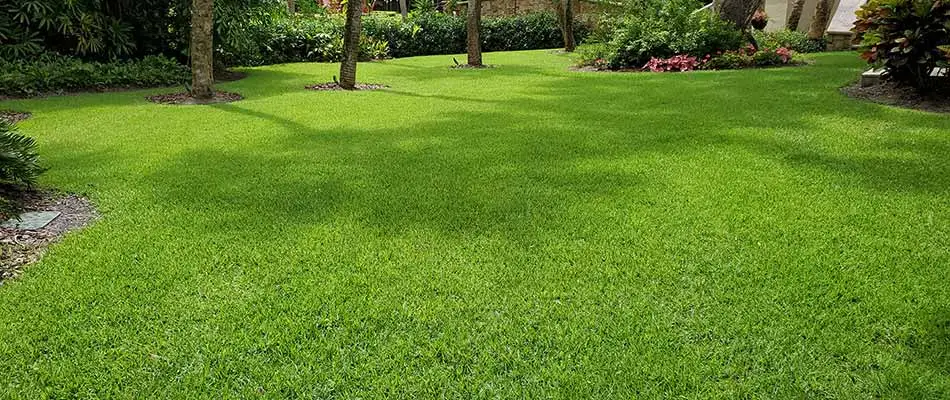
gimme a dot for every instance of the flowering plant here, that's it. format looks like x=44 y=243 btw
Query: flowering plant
x=680 y=62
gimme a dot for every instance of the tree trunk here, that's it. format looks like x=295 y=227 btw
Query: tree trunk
x=404 y=8
x=291 y=7
x=351 y=45
x=795 y=17
x=820 y=22
x=474 y=33
x=739 y=12
x=202 y=51
x=567 y=24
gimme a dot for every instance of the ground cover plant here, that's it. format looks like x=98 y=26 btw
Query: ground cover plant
x=520 y=231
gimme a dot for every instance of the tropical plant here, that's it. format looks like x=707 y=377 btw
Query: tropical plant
x=19 y=162
x=905 y=37
x=662 y=30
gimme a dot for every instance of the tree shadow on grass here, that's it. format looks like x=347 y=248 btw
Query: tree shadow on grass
x=507 y=165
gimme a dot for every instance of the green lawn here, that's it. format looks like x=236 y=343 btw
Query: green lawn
x=522 y=231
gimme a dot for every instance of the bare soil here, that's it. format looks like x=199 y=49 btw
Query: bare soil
x=936 y=100
x=21 y=247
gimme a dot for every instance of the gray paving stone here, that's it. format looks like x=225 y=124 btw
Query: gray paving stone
x=31 y=220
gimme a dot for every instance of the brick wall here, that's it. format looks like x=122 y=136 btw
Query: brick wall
x=496 y=8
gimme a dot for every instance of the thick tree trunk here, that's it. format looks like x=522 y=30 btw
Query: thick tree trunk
x=795 y=16
x=404 y=8
x=351 y=45
x=567 y=24
x=739 y=12
x=820 y=22
x=474 y=33
x=202 y=50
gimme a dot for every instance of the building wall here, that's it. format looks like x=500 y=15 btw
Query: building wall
x=496 y=8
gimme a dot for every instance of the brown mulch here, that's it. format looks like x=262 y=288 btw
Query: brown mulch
x=185 y=98
x=20 y=247
x=466 y=66
x=937 y=100
x=14 y=116
x=336 y=86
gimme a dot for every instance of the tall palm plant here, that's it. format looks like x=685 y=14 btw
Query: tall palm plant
x=795 y=16
x=473 y=26
x=566 y=15
x=351 y=45
x=819 y=24
x=202 y=50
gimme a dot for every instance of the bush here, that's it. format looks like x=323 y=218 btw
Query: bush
x=319 y=38
x=671 y=28
x=794 y=40
x=55 y=73
x=749 y=57
x=907 y=38
x=19 y=165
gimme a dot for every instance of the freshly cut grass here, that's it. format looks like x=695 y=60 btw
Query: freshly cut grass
x=521 y=231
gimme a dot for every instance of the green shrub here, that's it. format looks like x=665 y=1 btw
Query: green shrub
x=19 y=166
x=669 y=28
x=908 y=38
x=318 y=38
x=55 y=73
x=794 y=40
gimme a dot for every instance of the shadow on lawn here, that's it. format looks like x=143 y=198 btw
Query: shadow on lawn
x=502 y=167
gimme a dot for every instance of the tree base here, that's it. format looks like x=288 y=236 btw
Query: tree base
x=336 y=86
x=185 y=98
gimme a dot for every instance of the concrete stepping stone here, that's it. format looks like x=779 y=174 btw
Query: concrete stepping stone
x=31 y=220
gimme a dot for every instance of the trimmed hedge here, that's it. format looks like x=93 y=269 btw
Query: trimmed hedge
x=317 y=38
x=54 y=73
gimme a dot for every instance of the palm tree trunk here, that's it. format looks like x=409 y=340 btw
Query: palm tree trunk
x=404 y=8
x=474 y=31
x=820 y=22
x=739 y=12
x=351 y=45
x=202 y=51
x=567 y=25
x=795 y=16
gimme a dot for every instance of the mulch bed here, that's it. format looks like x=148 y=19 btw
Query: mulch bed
x=185 y=98
x=14 y=116
x=20 y=247
x=466 y=66
x=336 y=86
x=888 y=93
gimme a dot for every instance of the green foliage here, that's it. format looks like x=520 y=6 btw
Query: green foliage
x=905 y=37
x=661 y=30
x=118 y=29
x=318 y=38
x=797 y=41
x=19 y=166
x=19 y=163
x=54 y=73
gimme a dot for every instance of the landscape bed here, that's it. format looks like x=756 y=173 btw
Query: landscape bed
x=519 y=231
